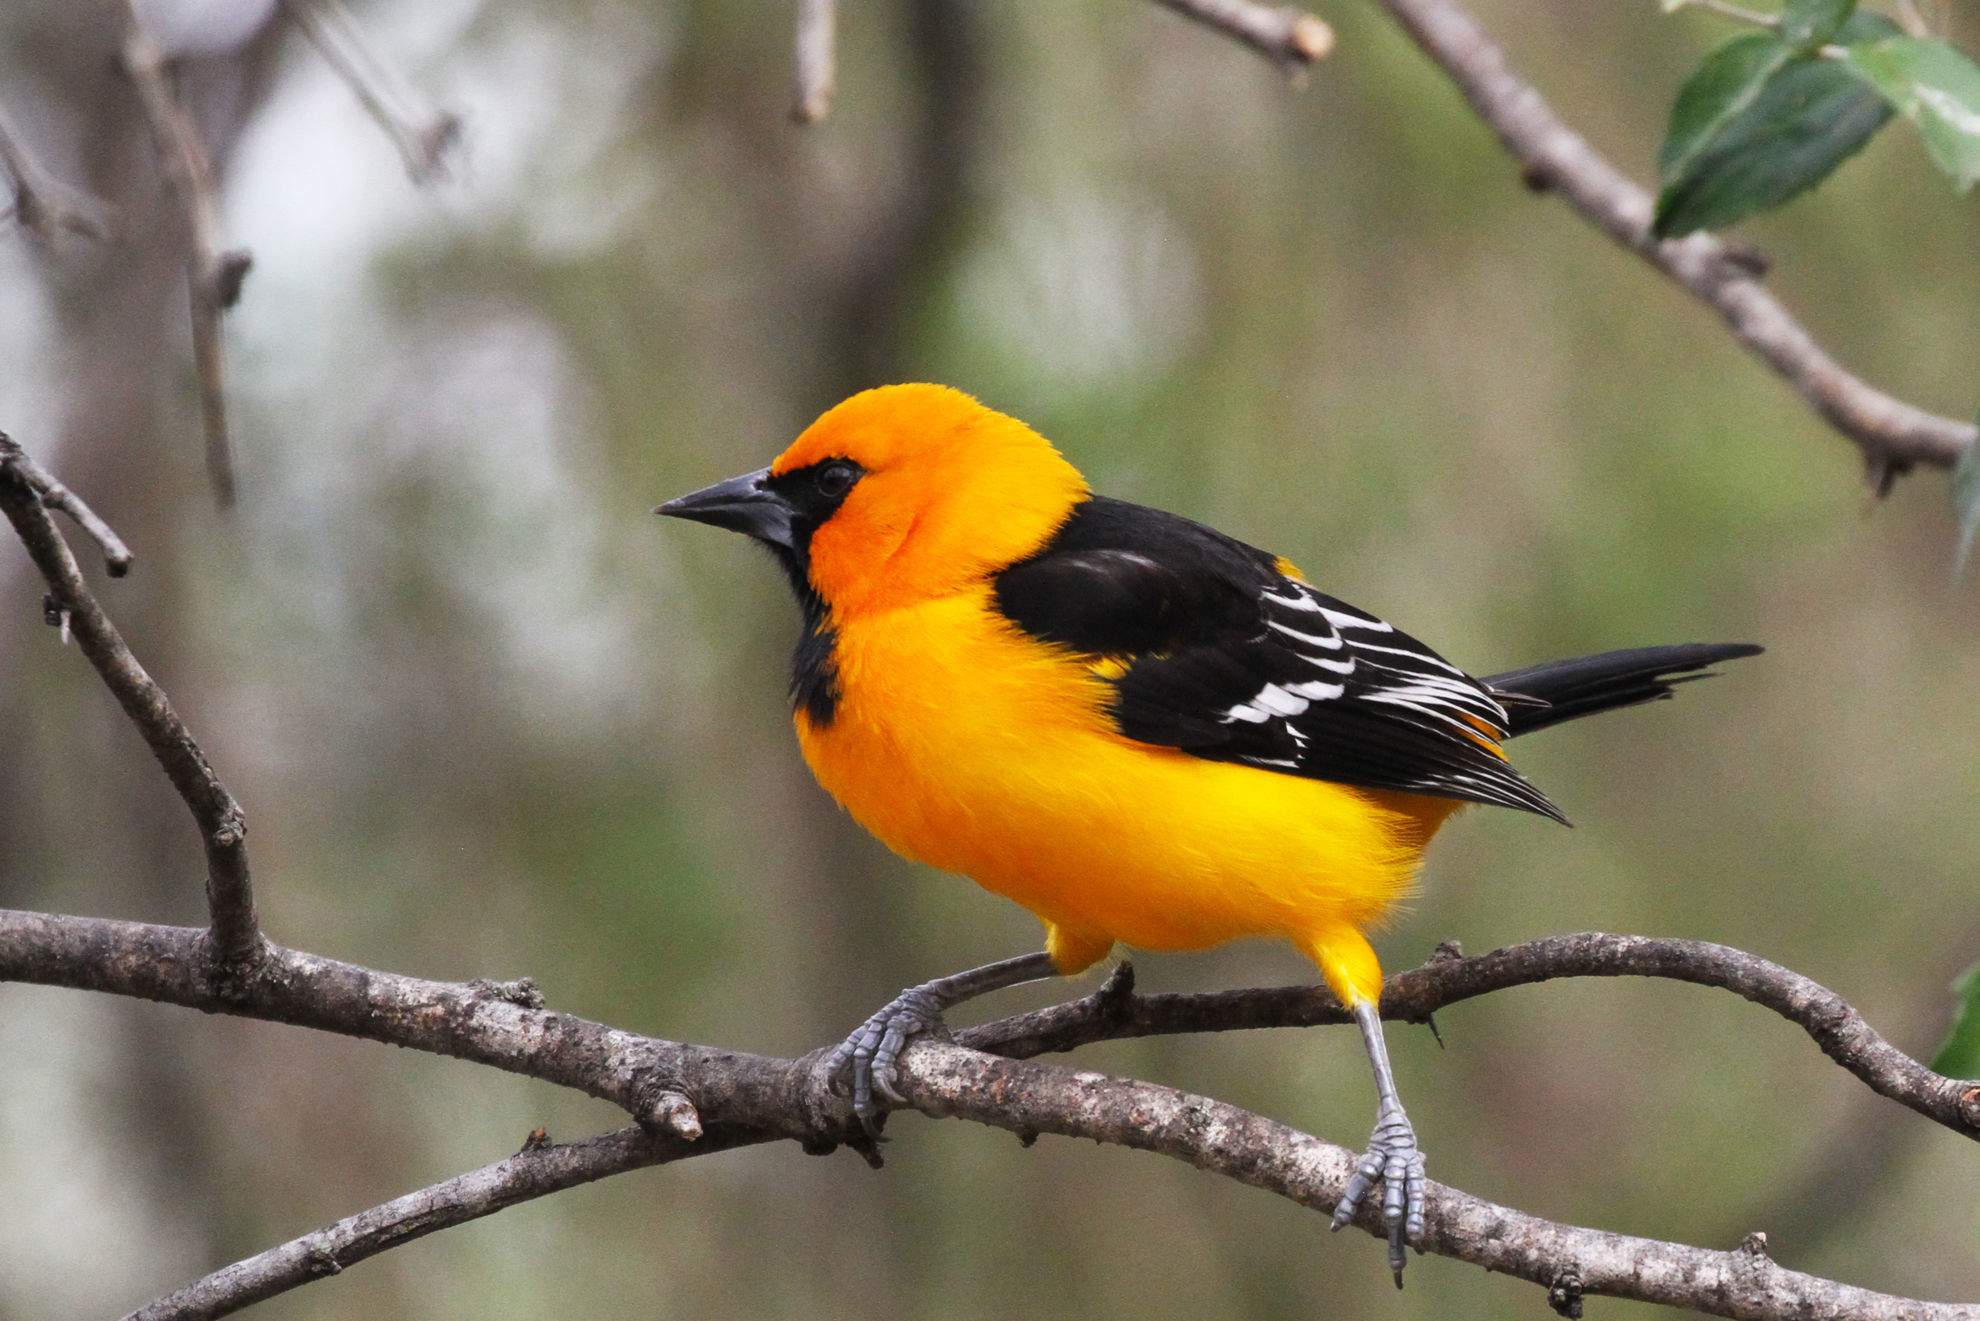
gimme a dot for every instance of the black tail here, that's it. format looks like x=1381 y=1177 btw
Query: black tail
x=1570 y=689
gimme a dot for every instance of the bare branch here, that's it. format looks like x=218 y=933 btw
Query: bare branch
x=425 y=135
x=213 y=276
x=817 y=38
x=1028 y=1099
x=535 y=1171
x=116 y=555
x=223 y=830
x=745 y=1098
x=1291 y=38
x=1892 y=434
x=43 y=204
x=1413 y=996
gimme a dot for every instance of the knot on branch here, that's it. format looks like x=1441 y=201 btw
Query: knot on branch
x=1115 y=998
x=1969 y=1107
x=522 y=992
x=1564 y=1294
x=661 y=1104
x=226 y=276
x=233 y=972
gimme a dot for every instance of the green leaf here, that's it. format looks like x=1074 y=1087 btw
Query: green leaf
x=1966 y=504
x=1810 y=23
x=1936 y=88
x=1959 y=1056
x=1728 y=81
x=1735 y=148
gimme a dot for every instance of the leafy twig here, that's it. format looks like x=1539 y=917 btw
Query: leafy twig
x=1892 y=435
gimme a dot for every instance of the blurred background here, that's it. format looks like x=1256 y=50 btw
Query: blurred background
x=489 y=718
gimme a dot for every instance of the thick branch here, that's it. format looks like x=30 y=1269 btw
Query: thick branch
x=1222 y=1139
x=499 y=1025
x=1291 y=38
x=213 y=277
x=746 y=1098
x=1413 y=996
x=222 y=828
x=1892 y=434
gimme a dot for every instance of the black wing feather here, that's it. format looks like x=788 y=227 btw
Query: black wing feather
x=1229 y=659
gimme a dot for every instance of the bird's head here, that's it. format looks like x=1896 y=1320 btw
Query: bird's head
x=899 y=494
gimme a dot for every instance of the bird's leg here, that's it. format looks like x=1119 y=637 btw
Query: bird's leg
x=1393 y=1155
x=875 y=1046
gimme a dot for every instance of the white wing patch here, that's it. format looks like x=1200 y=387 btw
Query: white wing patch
x=1334 y=654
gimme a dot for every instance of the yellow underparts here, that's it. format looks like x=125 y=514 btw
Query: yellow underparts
x=968 y=745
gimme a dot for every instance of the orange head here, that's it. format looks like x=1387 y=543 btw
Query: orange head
x=898 y=495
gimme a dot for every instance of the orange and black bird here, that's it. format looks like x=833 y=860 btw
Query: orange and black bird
x=1146 y=732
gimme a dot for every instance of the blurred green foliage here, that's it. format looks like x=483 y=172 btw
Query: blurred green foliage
x=489 y=718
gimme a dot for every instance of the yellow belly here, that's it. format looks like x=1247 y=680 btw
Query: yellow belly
x=963 y=743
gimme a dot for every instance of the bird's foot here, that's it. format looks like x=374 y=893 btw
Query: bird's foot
x=1394 y=1158
x=868 y=1057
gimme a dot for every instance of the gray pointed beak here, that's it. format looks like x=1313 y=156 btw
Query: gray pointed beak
x=742 y=504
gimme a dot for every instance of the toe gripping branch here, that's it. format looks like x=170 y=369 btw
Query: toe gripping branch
x=873 y=1050
x=1393 y=1155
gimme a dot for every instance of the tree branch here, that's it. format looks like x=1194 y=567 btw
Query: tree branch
x=213 y=276
x=1413 y=996
x=44 y=205
x=1892 y=435
x=747 y=1098
x=535 y=1171
x=1289 y=37
x=222 y=829
x=117 y=556
x=817 y=71
x=424 y=135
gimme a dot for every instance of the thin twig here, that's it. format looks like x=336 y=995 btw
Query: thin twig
x=425 y=135
x=745 y=1098
x=213 y=276
x=116 y=555
x=235 y=934
x=535 y=1171
x=44 y=205
x=817 y=69
x=1892 y=435
x=1725 y=9
x=1290 y=37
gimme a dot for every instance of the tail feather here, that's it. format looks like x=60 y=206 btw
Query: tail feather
x=1568 y=689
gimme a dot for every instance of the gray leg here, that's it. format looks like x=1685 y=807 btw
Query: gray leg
x=1392 y=1153
x=873 y=1049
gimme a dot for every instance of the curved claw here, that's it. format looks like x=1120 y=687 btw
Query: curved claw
x=1395 y=1159
x=874 y=1048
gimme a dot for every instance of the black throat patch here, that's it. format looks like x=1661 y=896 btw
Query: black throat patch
x=814 y=493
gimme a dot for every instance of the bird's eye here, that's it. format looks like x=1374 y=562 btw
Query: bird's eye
x=834 y=479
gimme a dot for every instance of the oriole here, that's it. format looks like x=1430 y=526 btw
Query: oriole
x=1144 y=731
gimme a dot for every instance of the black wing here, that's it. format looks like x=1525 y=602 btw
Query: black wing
x=1213 y=650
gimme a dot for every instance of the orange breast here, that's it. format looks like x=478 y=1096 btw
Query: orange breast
x=963 y=743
